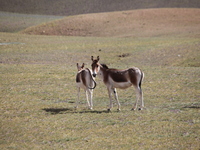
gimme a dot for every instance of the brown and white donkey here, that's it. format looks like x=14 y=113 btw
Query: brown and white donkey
x=85 y=80
x=115 y=78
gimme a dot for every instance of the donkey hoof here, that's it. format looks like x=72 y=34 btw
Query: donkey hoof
x=133 y=109
x=118 y=109
x=109 y=110
x=139 y=108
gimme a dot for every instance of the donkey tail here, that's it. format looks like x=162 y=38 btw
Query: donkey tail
x=95 y=84
x=141 y=79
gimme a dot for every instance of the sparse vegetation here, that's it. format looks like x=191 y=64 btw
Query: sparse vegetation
x=38 y=94
x=134 y=23
x=38 y=90
x=75 y=7
x=15 y=22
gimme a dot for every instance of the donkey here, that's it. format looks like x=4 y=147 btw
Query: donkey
x=85 y=80
x=114 y=78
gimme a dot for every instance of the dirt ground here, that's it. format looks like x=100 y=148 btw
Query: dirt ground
x=134 y=23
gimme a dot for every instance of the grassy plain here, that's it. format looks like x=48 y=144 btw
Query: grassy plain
x=14 y=22
x=38 y=91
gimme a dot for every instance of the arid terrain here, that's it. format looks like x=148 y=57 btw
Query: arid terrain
x=40 y=44
x=135 y=23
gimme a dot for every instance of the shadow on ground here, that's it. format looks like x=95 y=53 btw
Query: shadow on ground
x=55 y=111
x=193 y=106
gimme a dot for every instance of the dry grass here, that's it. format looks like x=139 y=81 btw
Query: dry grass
x=134 y=23
x=37 y=82
x=38 y=93
x=74 y=7
x=15 y=22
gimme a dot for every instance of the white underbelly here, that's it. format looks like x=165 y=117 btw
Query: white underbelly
x=81 y=85
x=121 y=85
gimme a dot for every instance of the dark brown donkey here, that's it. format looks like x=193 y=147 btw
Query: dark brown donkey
x=114 y=78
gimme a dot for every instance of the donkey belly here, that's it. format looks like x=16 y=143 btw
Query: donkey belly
x=81 y=85
x=121 y=85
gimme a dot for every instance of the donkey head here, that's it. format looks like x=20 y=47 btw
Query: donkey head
x=80 y=67
x=95 y=66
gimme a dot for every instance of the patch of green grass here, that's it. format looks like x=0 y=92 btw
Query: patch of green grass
x=14 y=22
x=38 y=92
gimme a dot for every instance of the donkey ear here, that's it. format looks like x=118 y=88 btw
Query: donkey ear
x=98 y=58
x=82 y=65
x=77 y=66
x=92 y=58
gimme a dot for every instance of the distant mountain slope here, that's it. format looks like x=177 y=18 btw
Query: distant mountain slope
x=133 y=23
x=74 y=7
x=14 y=22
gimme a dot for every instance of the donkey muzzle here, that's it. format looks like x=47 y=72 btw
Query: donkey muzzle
x=94 y=75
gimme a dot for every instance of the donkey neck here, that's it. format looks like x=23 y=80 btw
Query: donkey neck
x=103 y=74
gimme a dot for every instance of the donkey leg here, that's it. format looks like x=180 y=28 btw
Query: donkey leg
x=116 y=98
x=141 y=93
x=137 y=97
x=110 y=97
x=90 y=98
x=78 y=96
x=87 y=98
x=141 y=100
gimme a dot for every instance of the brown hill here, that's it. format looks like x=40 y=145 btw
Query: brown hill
x=134 y=23
x=74 y=7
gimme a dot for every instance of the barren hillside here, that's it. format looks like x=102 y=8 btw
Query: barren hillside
x=134 y=23
x=74 y=7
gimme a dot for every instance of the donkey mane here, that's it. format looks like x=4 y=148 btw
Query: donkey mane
x=104 y=66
